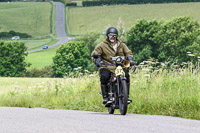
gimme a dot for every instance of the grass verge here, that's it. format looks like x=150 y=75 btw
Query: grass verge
x=165 y=93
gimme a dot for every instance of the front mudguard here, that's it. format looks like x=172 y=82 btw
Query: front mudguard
x=123 y=78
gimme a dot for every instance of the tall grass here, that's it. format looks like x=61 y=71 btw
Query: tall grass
x=172 y=93
x=32 y=18
x=86 y=19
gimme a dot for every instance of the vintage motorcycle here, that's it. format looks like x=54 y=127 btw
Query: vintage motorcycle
x=117 y=91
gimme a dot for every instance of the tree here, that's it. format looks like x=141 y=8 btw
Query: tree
x=70 y=57
x=140 y=39
x=165 y=40
x=176 y=38
x=12 y=59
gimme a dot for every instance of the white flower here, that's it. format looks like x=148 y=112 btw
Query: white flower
x=91 y=75
x=142 y=63
x=75 y=69
x=147 y=75
x=147 y=61
x=86 y=71
x=150 y=67
x=145 y=69
x=188 y=52
x=163 y=64
x=191 y=55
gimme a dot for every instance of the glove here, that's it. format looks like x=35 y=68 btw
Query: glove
x=98 y=62
x=130 y=59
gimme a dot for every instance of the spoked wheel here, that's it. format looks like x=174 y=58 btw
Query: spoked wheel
x=123 y=101
x=111 y=110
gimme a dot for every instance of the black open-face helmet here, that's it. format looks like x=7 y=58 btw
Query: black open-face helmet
x=112 y=30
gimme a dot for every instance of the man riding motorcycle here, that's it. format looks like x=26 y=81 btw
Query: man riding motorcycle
x=111 y=47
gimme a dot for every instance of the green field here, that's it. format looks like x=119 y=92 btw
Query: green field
x=175 y=93
x=42 y=58
x=32 y=18
x=86 y=19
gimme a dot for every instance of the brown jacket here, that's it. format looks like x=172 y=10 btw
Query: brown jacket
x=106 y=51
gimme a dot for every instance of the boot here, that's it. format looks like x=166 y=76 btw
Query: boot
x=128 y=87
x=104 y=90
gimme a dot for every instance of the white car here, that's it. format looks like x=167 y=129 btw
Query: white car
x=15 y=38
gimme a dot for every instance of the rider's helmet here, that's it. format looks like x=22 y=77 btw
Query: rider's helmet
x=112 y=30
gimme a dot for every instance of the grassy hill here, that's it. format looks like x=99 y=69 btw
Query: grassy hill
x=86 y=19
x=32 y=18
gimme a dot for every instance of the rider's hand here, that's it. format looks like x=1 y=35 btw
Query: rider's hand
x=130 y=59
x=98 y=62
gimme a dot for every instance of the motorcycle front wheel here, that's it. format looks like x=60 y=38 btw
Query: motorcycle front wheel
x=123 y=100
x=111 y=110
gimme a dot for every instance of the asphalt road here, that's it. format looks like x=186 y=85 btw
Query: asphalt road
x=60 y=27
x=39 y=120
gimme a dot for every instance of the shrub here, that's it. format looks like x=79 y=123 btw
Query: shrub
x=140 y=39
x=45 y=72
x=165 y=40
x=176 y=38
x=114 y=2
x=71 y=4
x=12 y=59
x=13 y=33
x=71 y=56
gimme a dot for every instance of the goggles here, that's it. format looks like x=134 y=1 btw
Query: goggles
x=112 y=35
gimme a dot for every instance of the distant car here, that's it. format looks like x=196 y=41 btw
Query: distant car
x=15 y=38
x=45 y=47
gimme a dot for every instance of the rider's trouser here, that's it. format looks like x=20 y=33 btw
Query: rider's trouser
x=105 y=76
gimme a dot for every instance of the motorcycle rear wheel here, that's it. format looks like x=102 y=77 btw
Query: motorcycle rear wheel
x=123 y=101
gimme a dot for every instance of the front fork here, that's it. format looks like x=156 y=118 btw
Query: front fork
x=119 y=79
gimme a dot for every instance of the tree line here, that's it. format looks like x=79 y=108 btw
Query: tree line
x=114 y=2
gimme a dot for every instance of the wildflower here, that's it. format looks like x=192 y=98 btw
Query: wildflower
x=142 y=63
x=188 y=52
x=147 y=75
x=163 y=64
x=145 y=69
x=191 y=55
x=75 y=69
x=86 y=71
x=147 y=61
x=150 y=67
x=184 y=63
x=91 y=75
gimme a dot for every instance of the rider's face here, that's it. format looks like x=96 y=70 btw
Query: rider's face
x=112 y=37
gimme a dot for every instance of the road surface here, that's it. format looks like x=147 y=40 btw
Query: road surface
x=39 y=120
x=60 y=27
